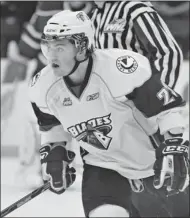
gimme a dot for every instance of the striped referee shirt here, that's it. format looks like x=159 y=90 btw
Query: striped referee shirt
x=138 y=27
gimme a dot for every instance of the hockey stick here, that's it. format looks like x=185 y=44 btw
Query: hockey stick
x=25 y=199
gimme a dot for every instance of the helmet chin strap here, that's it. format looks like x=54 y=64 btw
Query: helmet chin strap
x=77 y=62
x=76 y=65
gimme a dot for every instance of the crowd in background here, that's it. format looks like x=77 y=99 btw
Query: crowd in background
x=15 y=14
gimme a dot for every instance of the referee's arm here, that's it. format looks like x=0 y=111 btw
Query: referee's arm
x=161 y=48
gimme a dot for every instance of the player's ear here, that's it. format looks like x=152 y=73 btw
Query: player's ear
x=80 y=56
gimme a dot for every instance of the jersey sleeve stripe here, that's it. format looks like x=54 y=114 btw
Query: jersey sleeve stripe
x=33 y=32
x=168 y=51
x=123 y=14
x=118 y=42
x=97 y=27
x=133 y=41
x=129 y=12
x=153 y=45
x=135 y=9
x=105 y=16
x=174 y=56
x=178 y=50
x=26 y=32
x=178 y=68
x=30 y=42
x=109 y=18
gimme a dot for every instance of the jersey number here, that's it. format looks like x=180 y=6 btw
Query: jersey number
x=165 y=95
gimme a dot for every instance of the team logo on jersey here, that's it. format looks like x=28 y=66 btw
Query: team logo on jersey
x=126 y=64
x=94 y=132
x=115 y=26
x=92 y=97
x=35 y=78
x=67 y=102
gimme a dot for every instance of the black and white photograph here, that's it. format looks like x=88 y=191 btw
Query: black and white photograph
x=95 y=108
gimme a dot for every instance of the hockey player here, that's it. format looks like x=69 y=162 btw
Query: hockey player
x=111 y=103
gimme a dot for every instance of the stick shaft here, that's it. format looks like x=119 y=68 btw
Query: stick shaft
x=25 y=199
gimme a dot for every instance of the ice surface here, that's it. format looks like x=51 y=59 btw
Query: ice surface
x=47 y=204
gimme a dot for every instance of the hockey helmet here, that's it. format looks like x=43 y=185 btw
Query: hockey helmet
x=75 y=26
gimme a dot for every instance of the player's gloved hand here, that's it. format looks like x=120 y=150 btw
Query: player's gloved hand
x=171 y=167
x=16 y=68
x=55 y=160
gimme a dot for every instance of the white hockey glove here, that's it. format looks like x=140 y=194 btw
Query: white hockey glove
x=171 y=167
x=55 y=160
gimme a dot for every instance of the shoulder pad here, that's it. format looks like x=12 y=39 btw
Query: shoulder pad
x=39 y=86
x=122 y=70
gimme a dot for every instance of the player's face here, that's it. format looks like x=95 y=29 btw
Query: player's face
x=61 y=55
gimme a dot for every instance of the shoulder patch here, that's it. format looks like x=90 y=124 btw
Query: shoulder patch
x=35 y=78
x=126 y=64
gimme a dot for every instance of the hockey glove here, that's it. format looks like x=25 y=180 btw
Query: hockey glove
x=55 y=160
x=171 y=167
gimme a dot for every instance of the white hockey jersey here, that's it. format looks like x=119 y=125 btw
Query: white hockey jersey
x=122 y=104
